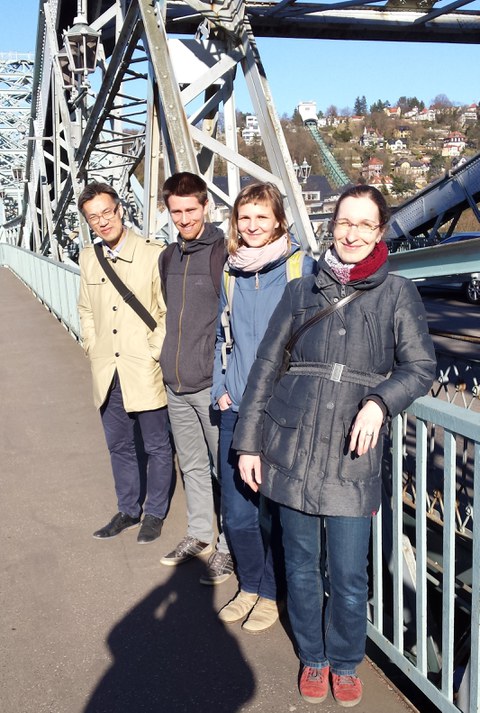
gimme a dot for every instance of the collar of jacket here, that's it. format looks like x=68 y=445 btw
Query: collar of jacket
x=128 y=247
x=326 y=275
x=209 y=236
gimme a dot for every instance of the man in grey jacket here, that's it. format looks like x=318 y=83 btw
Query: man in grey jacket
x=191 y=271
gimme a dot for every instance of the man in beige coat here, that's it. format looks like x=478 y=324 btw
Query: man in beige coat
x=124 y=353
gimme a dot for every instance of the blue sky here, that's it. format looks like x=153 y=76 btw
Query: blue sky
x=326 y=71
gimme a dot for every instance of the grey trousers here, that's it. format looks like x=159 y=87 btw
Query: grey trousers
x=195 y=429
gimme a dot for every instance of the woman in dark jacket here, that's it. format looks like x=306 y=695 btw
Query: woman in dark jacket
x=312 y=440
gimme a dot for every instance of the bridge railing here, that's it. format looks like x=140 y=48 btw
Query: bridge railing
x=425 y=617
x=53 y=283
x=415 y=569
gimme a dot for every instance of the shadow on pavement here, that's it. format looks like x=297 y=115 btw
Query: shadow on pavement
x=171 y=654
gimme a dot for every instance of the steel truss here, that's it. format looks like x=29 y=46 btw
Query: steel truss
x=16 y=82
x=171 y=101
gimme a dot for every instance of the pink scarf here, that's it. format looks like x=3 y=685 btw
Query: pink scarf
x=254 y=259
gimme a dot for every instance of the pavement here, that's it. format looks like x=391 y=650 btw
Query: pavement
x=91 y=626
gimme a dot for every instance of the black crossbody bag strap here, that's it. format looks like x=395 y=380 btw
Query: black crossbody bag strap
x=308 y=324
x=121 y=287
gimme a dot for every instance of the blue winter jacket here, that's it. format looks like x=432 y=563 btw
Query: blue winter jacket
x=255 y=297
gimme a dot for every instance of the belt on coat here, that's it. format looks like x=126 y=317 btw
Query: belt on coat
x=336 y=372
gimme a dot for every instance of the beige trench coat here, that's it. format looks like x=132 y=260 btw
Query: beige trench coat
x=114 y=336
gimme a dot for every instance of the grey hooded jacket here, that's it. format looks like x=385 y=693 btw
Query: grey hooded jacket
x=300 y=425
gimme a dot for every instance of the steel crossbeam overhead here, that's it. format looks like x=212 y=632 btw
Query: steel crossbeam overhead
x=16 y=79
x=163 y=92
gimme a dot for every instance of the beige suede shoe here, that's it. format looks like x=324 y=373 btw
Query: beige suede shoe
x=263 y=615
x=238 y=607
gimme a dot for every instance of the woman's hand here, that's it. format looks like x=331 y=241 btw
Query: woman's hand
x=224 y=402
x=367 y=425
x=250 y=470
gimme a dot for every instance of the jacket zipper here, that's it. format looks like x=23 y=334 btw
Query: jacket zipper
x=180 y=318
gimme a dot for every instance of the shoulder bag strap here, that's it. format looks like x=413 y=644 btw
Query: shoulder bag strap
x=317 y=317
x=120 y=286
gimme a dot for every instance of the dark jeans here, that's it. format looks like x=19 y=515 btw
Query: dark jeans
x=334 y=634
x=240 y=519
x=119 y=433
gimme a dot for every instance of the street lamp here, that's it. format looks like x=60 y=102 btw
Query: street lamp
x=82 y=44
x=304 y=171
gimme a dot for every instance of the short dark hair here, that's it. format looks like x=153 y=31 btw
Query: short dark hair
x=95 y=189
x=185 y=184
x=364 y=191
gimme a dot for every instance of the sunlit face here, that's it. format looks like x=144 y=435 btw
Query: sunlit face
x=188 y=215
x=102 y=208
x=256 y=224
x=351 y=243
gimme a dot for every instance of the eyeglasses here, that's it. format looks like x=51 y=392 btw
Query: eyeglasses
x=364 y=228
x=104 y=215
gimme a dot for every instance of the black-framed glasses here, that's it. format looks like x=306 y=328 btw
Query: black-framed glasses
x=364 y=228
x=106 y=214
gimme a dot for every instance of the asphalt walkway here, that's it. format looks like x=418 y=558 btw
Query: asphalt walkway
x=102 y=627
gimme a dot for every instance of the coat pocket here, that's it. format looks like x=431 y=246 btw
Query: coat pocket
x=355 y=468
x=281 y=431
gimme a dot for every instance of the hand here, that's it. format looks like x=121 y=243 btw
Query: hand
x=224 y=402
x=250 y=470
x=367 y=425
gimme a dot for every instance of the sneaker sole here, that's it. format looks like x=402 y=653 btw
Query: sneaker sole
x=147 y=542
x=314 y=699
x=348 y=704
x=174 y=563
x=217 y=580
x=110 y=537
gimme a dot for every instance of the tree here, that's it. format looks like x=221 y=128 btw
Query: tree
x=402 y=186
x=360 y=106
x=408 y=103
x=441 y=101
x=379 y=106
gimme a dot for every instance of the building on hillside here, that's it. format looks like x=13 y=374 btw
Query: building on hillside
x=469 y=116
x=425 y=115
x=371 y=137
x=396 y=145
x=308 y=111
x=393 y=112
x=383 y=183
x=371 y=168
x=454 y=144
x=251 y=132
x=402 y=132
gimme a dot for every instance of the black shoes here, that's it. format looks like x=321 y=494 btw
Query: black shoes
x=150 y=529
x=119 y=522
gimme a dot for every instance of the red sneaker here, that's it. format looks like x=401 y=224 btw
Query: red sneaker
x=347 y=690
x=314 y=684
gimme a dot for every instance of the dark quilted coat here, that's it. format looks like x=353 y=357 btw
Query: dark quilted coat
x=300 y=425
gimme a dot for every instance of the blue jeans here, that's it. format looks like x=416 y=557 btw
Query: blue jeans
x=240 y=519
x=334 y=634
x=119 y=434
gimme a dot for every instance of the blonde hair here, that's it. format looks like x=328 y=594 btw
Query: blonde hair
x=265 y=194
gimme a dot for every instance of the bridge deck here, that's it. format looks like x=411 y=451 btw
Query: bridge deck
x=102 y=627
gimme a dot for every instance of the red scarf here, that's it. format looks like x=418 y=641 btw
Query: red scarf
x=370 y=264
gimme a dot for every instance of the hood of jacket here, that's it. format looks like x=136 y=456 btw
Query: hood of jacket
x=209 y=236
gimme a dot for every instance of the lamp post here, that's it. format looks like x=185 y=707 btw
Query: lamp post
x=79 y=57
x=18 y=173
x=82 y=45
x=304 y=171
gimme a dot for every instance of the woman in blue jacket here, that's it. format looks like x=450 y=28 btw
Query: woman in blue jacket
x=261 y=261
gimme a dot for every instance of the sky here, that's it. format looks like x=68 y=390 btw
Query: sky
x=329 y=72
